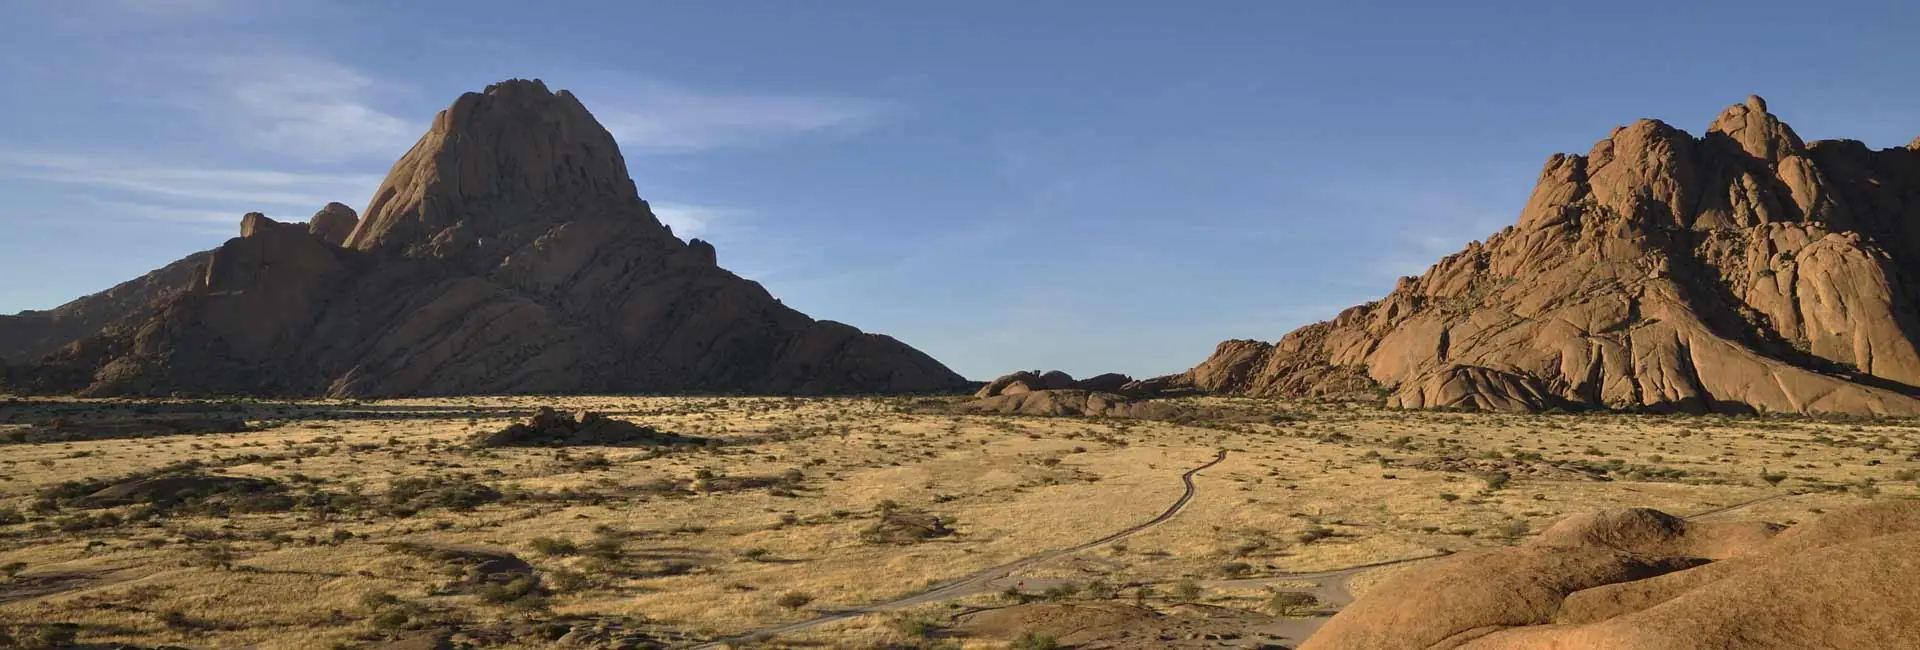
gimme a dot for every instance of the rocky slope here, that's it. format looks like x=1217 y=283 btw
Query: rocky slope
x=507 y=252
x=1744 y=270
x=30 y=335
x=1644 y=580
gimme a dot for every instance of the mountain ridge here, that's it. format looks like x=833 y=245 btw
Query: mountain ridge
x=1743 y=270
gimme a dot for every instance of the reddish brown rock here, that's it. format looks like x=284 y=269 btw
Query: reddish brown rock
x=1841 y=581
x=1024 y=381
x=1742 y=271
x=1077 y=403
x=333 y=223
x=507 y=252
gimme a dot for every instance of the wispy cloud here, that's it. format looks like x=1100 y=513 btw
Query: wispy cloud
x=308 y=109
x=653 y=117
x=203 y=185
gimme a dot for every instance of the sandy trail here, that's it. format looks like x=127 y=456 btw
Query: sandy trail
x=982 y=580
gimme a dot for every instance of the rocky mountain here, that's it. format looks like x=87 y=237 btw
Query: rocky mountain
x=1743 y=270
x=507 y=252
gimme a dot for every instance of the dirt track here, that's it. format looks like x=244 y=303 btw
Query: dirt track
x=978 y=581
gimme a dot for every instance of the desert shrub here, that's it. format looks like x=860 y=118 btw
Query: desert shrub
x=1034 y=641
x=1186 y=590
x=1494 y=480
x=389 y=621
x=793 y=600
x=56 y=635
x=409 y=495
x=901 y=526
x=523 y=592
x=378 y=600
x=1513 y=529
x=552 y=546
x=10 y=516
x=566 y=581
x=915 y=627
x=1100 y=589
x=1236 y=569
x=1313 y=534
x=1286 y=603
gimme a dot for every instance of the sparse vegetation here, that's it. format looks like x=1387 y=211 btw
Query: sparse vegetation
x=421 y=529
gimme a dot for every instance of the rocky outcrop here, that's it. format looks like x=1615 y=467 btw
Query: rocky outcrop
x=333 y=223
x=1641 y=579
x=507 y=252
x=547 y=427
x=1069 y=402
x=1025 y=381
x=1745 y=270
x=31 y=335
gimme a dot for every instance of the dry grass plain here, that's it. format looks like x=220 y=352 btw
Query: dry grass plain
x=775 y=514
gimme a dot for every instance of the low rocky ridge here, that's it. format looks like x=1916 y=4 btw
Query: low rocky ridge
x=64 y=430
x=31 y=335
x=1745 y=270
x=507 y=252
x=1641 y=579
x=1025 y=381
x=547 y=427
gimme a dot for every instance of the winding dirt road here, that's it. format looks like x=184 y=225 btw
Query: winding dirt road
x=979 y=581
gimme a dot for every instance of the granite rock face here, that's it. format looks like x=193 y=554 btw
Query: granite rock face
x=507 y=252
x=1744 y=270
x=1643 y=580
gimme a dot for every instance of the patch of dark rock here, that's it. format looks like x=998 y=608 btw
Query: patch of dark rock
x=550 y=428
x=65 y=430
x=897 y=526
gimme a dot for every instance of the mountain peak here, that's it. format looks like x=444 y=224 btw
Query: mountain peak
x=1756 y=131
x=493 y=160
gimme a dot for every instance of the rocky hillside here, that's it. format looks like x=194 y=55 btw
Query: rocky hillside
x=1744 y=270
x=31 y=335
x=507 y=252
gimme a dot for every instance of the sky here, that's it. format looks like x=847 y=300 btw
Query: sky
x=1111 y=186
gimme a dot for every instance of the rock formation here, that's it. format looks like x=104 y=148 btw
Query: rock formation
x=31 y=335
x=1033 y=380
x=1741 y=271
x=1644 y=580
x=507 y=252
x=547 y=427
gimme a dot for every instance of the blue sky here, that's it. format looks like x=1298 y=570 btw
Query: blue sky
x=1091 y=186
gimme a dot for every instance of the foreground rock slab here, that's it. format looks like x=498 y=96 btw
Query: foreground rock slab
x=1644 y=580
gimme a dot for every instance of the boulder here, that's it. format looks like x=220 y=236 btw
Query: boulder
x=333 y=223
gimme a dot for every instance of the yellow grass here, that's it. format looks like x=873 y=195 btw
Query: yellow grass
x=1329 y=487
